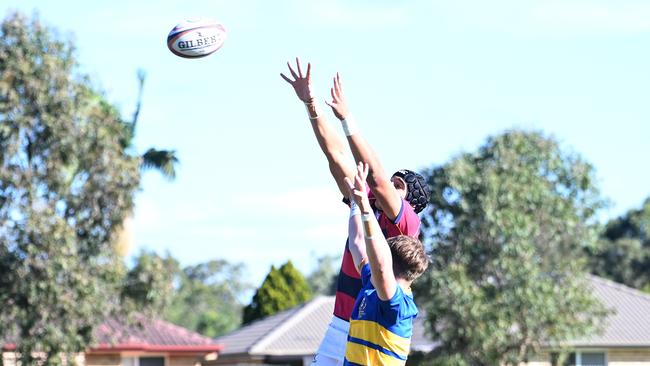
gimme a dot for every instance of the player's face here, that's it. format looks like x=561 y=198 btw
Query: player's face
x=400 y=185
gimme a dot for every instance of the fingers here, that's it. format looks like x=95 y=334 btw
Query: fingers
x=298 y=66
x=353 y=190
x=286 y=79
x=334 y=97
x=362 y=170
x=335 y=91
x=337 y=85
x=298 y=75
x=293 y=73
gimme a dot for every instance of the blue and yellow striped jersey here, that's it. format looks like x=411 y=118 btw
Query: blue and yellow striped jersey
x=380 y=331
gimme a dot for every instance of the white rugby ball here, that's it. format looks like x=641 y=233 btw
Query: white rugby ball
x=196 y=38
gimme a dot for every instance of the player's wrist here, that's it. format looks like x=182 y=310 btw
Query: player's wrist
x=313 y=111
x=354 y=208
x=349 y=125
x=365 y=207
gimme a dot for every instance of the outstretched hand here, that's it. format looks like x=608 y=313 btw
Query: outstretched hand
x=357 y=187
x=301 y=84
x=338 y=104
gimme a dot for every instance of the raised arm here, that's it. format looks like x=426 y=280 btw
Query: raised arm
x=330 y=143
x=387 y=196
x=377 y=249
x=356 y=243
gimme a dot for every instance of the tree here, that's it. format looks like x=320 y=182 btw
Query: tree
x=282 y=289
x=164 y=161
x=149 y=282
x=323 y=279
x=507 y=227
x=622 y=254
x=66 y=184
x=207 y=297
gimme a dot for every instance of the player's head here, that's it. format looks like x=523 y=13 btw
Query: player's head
x=409 y=258
x=412 y=187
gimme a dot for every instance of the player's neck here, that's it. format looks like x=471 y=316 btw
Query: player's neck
x=404 y=284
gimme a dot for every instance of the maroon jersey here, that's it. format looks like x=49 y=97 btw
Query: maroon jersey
x=349 y=280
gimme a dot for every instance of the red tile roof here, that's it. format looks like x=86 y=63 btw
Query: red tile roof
x=147 y=335
x=151 y=335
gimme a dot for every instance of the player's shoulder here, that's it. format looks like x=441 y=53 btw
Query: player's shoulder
x=408 y=220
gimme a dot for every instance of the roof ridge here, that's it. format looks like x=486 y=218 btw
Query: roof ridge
x=621 y=287
x=299 y=314
x=186 y=331
x=249 y=348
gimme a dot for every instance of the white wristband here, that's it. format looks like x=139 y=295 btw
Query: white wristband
x=354 y=209
x=312 y=106
x=349 y=126
x=365 y=217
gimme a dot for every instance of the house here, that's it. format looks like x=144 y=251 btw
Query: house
x=626 y=337
x=292 y=337
x=152 y=342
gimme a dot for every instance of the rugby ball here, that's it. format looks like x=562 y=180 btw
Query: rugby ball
x=196 y=38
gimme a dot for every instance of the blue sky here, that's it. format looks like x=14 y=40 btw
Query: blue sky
x=425 y=80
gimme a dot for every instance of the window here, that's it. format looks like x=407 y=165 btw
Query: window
x=592 y=359
x=143 y=361
x=152 y=361
x=581 y=359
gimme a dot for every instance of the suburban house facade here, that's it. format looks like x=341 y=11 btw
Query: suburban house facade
x=626 y=337
x=292 y=337
x=151 y=342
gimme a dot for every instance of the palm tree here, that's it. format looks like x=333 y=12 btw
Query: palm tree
x=164 y=161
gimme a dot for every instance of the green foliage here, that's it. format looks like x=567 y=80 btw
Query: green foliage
x=164 y=161
x=424 y=359
x=507 y=227
x=207 y=297
x=623 y=253
x=322 y=280
x=67 y=181
x=282 y=289
x=66 y=184
x=300 y=291
x=149 y=283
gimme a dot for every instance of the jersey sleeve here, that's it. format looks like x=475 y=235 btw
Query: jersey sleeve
x=391 y=308
x=408 y=222
x=365 y=275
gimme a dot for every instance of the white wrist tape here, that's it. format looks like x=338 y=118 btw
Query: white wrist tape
x=354 y=209
x=349 y=126
x=365 y=217
x=312 y=107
